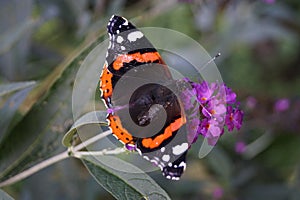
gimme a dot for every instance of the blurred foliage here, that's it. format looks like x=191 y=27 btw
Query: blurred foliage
x=46 y=41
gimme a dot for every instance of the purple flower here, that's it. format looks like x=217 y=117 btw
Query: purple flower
x=251 y=102
x=240 y=147
x=214 y=129
x=282 y=105
x=230 y=95
x=211 y=129
x=215 y=105
x=214 y=109
x=187 y=96
x=204 y=92
x=269 y=1
x=203 y=127
x=234 y=118
x=218 y=193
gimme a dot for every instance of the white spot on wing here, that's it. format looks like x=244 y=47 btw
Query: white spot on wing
x=161 y=167
x=154 y=161
x=179 y=149
x=182 y=164
x=126 y=22
x=111 y=17
x=133 y=36
x=139 y=151
x=166 y=158
x=163 y=149
x=119 y=39
x=123 y=48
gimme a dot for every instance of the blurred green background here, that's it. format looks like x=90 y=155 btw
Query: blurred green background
x=260 y=46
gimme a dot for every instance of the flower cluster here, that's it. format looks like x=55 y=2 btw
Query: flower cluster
x=282 y=105
x=210 y=107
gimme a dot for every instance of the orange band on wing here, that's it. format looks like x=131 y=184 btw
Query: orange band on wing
x=106 y=84
x=118 y=130
x=153 y=143
x=145 y=57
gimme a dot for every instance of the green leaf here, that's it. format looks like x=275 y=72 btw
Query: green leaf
x=5 y=196
x=94 y=117
x=8 y=111
x=8 y=39
x=48 y=113
x=123 y=180
x=12 y=87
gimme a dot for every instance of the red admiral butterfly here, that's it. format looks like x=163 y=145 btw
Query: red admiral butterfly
x=128 y=49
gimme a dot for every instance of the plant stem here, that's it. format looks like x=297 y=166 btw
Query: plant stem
x=54 y=159
x=80 y=154
x=35 y=168
x=91 y=141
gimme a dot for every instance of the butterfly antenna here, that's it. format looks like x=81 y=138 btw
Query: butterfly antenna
x=211 y=60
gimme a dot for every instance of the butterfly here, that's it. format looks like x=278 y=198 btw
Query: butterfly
x=133 y=66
